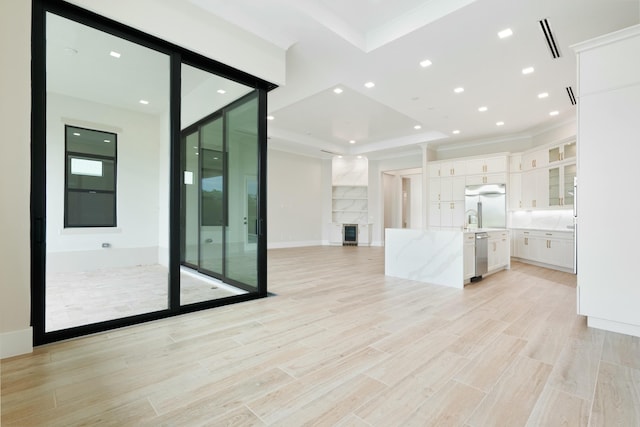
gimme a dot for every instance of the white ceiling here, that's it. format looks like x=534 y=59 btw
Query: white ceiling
x=340 y=43
x=346 y=43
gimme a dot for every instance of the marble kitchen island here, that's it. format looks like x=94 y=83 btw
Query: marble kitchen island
x=439 y=257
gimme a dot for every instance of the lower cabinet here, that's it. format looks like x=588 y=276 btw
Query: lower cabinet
x=469 y=255
x=364 y=234
x=554 y=248
x=499 y=250
x=335 y=233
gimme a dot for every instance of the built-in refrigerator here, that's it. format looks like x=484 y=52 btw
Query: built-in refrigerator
x=486 y=205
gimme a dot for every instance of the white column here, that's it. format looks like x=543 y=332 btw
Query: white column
x=425 y=185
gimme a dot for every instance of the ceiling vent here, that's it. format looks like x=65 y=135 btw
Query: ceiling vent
x=551 y=41
x=572 y=97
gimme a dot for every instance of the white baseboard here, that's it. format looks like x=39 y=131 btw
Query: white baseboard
x=612 y=326
x=298 y=244
x=15 y=343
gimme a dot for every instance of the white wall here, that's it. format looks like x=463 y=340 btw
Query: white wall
x=295 y=200
x=135 y=239
x=15 y=158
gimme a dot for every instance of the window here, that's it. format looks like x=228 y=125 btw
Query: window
x=90 y=178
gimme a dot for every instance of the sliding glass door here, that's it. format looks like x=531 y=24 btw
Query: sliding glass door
x=220 y=194
x=148 y=177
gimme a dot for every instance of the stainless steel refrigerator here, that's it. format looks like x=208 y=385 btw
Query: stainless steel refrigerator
x=486 y=205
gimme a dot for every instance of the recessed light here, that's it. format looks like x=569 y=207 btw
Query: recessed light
x=527 y=70
x=369 y=85
x=222 y=91
x=459 y=90
x=339 y=157
x=499 y=123
x=455 y=132
x=554 y=113
x=417 y=127
x=114 y=54
x=425 y=63
x=359 y=157
x=482 y=109
x=543 y=95
x=215 y=158
x=197 y=154
x=144 y=102
x=270 y=118
x=352 y=142
x=107 y=140
x=76 y=134
x=195 y=146
x=338 y=90
x=505 y=33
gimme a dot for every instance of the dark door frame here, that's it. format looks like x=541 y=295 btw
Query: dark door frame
x=177 y=55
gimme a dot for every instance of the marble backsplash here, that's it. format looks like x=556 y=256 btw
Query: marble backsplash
x=560 y=220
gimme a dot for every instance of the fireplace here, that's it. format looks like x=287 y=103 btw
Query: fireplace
x=349 y=234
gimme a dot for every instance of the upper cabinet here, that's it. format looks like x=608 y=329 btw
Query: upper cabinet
x=535 y=159
x=447 y=168
x=562 y=152
x=488 y=165
x=488 y=170
x=561 y=185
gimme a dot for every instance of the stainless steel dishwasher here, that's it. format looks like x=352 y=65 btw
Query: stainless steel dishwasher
x=482 y=255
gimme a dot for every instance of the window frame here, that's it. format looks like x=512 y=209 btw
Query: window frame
x=68 y=155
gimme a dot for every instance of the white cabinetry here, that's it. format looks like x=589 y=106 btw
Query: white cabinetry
x=487 y=165
x=560 y=180
x=335 y=233
x=535 y=159
x=608 y=129
x=499 y=246
x=364 y=234
x=469 y=255
x=488 y=170
x=515 y=191
x=535 y=188
x=446 y=208
x=565 y=151
x=553 y=248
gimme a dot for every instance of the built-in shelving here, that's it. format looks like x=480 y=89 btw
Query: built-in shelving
x=350 y=204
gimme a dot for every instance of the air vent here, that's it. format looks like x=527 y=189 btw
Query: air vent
x=331 y=152
x=551 y=41
x=572 y=97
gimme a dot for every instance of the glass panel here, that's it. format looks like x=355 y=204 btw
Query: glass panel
x=87 y=177
x=90 y=209
x=100 y=274
x=205 y=102
x=212 y=206
x=190 y=194
x=554 y=186
x=554 y=154
x=569 y=174
x=570 y=150
x=242 y=143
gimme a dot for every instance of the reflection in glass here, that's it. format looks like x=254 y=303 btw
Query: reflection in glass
x=98 y=269
x=242 y=134
x=219 y=120
x=191 y=176
x=212 y=204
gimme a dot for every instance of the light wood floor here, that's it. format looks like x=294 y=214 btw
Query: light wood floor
x=341 y=344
